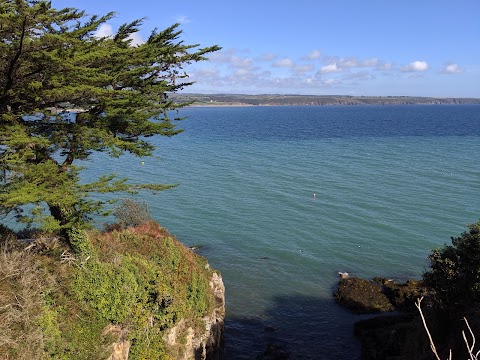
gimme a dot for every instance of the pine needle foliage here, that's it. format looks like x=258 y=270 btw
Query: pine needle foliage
x=66 y=93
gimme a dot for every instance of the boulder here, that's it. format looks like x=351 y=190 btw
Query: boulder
x=362 y=296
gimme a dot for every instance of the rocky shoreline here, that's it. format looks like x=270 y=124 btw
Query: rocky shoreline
x=309 y=100
x=398 y=333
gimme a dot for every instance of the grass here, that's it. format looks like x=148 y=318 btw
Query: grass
x=56 y=304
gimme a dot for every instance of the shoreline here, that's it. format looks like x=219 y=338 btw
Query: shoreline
x=221 y=100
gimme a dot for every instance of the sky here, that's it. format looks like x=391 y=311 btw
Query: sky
x=318 y=47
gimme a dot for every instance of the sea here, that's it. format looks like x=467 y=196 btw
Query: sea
x=280 y=199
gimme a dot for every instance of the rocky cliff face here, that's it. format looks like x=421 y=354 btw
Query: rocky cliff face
x=186 y=341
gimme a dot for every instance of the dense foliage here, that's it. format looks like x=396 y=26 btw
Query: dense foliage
x=66 y=93
x=132 y=284
x=455 y=270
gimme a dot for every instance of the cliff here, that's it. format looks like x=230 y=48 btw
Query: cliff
x=134 y=293
x=303 y=100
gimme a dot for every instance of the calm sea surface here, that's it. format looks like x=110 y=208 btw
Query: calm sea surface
x=391 y=183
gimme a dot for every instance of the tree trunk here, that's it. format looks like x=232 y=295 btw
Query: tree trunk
x=59 y=215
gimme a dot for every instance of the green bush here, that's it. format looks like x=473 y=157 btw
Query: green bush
x=141 y=280
x=80 y=242
x=131 y=213
x=455 y=270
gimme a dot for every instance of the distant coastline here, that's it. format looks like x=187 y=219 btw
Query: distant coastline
x=313 y=100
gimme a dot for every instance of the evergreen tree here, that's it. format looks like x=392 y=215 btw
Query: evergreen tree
x=455 y=270
x=51 y=58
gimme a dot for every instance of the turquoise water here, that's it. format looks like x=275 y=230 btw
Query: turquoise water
x=391 y=183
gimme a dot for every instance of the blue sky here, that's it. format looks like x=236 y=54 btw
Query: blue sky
x=349 y=47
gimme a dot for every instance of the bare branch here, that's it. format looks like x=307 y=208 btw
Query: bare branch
x=432 y=345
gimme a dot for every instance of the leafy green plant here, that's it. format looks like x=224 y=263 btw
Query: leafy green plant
x=455 y=270
x=80 y=242
x=140 y=280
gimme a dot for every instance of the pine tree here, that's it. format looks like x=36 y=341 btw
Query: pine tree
x=51 y=58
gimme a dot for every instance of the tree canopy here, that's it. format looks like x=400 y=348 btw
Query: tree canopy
x=66 y=93
x=455 y=270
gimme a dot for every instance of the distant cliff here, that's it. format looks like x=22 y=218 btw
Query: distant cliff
x=300 y=100
x=134 y=293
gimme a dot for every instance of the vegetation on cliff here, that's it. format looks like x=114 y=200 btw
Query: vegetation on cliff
x=125 y=285
x=301 y=100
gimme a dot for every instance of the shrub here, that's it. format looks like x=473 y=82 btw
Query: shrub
x=131 y=213
x=80 y=242
x=23 y=284
x=455 y=270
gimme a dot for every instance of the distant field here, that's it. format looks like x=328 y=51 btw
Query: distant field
x=273 y=100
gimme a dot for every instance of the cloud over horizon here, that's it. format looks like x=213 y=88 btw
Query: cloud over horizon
x=316 y=73
x=452 y=68
x=415 y=66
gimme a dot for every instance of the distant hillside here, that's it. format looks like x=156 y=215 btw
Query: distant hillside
x=296 y=100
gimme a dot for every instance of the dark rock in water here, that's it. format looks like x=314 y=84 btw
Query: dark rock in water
x=362 y=296
x=404 y=296
x=274 y=352
x=397 y=336
x=269 y=329
x=393 y=337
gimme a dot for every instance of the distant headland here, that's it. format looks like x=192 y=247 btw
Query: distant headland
x=299 y=100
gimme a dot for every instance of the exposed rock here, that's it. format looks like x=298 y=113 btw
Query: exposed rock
x=187 y=341
x=362 y=296
x=121 y=347
x=184 y=340
x=403 y=296
x=398 y=337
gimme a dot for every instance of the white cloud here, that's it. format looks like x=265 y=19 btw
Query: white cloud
x=207 y=73
x=330 y=82
x=242 y=72
x=415 y=66
x=268 y=57
x=182 y=19
x=136 y=39
x=286 y=62
x=300 y=69
x=314 y=55
x=384 y=66
x=229 y=57
x=370 y=62
x=359 y=76
x=105 y=30
x=241 y=62
x=330 y=68
x=452 y=68
x=347 y=63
